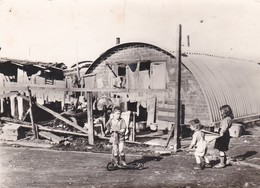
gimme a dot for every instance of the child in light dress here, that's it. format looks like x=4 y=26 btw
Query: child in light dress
x=199 y=143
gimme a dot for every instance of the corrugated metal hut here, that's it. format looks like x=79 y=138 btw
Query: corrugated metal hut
x=149 y=74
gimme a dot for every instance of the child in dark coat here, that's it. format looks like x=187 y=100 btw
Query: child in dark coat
x=222 y=142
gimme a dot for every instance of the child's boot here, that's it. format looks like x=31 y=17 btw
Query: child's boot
x=115 y=160
x=198 y=167
x=221 y=164
x=122 y=160
x=208 y=165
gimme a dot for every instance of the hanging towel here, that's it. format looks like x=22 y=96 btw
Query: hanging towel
x=20 y=107
x=12 y=105
x=151 y=102
x=133 y=75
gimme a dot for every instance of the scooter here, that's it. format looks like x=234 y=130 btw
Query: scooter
x=112 y=165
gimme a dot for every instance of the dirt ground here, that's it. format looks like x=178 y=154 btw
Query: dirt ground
x=32 y=167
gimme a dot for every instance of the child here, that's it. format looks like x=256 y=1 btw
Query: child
x=223 y=141
x=198 y=141
x=117 y=126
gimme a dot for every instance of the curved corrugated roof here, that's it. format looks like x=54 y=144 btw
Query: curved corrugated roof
x=227 y=81
x=223 y=80
x=119 y=47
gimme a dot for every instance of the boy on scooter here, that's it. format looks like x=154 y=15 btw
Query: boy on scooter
x=117 y=126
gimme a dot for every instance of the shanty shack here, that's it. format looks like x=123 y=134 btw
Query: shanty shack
x=17 y=74
x=146 y=76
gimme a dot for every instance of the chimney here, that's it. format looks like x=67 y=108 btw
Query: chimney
x=117 y=40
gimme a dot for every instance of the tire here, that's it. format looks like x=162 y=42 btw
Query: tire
x=110 y=166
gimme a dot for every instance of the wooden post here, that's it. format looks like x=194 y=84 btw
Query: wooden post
x=34 y=127
x=90 y=119
x=134 y=126
x=176 y=129
x=104 y=120
x=177 y=92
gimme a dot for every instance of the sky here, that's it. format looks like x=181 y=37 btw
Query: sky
x=70 y=31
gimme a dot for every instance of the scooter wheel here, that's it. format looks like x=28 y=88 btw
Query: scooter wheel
x=110 y=166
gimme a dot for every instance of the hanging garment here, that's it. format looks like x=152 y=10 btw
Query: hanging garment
x=82 y=82
x=2 y=82
x=133 y=75
x=151 y=102
x=158 y=75
x=40 y=100
x=12 y=105
x=19 y=75
x=144 y=80
x=1 y=105
x=20 y=107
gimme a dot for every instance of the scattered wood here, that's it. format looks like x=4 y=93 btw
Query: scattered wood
x=56 y=139
x=57 y=115
x=34 y=127
x=42 y=128
x=12 y=131
x=25 y=115
x=61 y=131
x=90 y=119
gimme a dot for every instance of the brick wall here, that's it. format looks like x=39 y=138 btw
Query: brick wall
x=191 y=93
x=193 y=98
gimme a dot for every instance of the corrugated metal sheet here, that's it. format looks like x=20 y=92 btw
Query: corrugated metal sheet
x=227 y=81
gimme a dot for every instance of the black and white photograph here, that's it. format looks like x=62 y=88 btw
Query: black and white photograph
x=130 y=93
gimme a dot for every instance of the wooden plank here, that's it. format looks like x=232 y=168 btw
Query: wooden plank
x=28 y=111
x=169 y=114
x=8 y=94
x=90 y=118
x=56 y=139
x=166 y=118
x=118 y=90
x=168 y=106
x=170 y=102
x=134 y=126
x=57 y=115
x=23 y=87
x=34 y=127
x=28 y=125
x=61 y=131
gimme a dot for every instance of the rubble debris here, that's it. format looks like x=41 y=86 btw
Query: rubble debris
x=41 y=128
x=56 y=139
x=12 y=132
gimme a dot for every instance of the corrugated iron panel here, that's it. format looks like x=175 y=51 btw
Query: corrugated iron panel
x=227 y=81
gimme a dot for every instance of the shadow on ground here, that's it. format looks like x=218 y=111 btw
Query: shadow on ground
x=146 y=159
x=244 y=156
